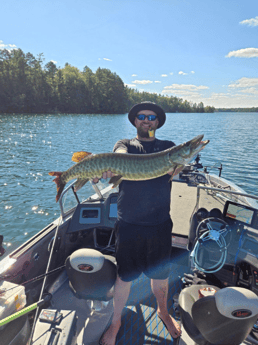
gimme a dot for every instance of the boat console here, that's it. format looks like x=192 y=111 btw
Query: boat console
x=225 y=244
x=88 y=215
x=240 y=215
x=97 y=218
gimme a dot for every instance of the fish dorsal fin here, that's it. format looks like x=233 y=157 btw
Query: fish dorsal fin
x=78 y=156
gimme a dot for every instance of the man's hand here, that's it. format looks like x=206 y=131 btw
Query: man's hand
x=109 y=174
x=105 y=175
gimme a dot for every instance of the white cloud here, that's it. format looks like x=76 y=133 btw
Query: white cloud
x=242 y=94
x=227 y=100
x=182 y=73
x=134 y=75
x=142 y=82
x=106 y=59
x=157 y=81
x=130 y=85
x=244 y=83
x=186 y=91
x=7 y=46
x=192 y=72
x=250 y=22
x=246 y=86
x=55 y=62
x=251 y=90
x=219 y=95
x=244 y=53
x=186 y=87
x=239 y=98
x=164 y=75
x=171 y=73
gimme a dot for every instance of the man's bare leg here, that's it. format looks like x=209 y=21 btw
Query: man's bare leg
x=160 y=290
x=121 y=294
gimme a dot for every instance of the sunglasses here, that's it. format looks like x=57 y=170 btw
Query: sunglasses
x=142 y=117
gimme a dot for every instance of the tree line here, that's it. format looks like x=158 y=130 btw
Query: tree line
x=27 y=85
x=239 y=110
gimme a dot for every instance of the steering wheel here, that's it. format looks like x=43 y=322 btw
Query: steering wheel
x=210 y=236
x=215 y=229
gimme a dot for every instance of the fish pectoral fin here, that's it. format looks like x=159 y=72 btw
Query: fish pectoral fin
x=80 y=183
x=78 y=156
x=176 y=171
x=116 y=180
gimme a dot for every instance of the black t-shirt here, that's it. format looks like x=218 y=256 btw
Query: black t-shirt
x=144 y=202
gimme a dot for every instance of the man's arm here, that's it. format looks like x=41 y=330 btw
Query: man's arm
x=121 y=150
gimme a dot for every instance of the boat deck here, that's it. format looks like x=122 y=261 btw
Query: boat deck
x=183 y=201
x=140 y=323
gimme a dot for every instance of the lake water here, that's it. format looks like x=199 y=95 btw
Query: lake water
x=33 y=145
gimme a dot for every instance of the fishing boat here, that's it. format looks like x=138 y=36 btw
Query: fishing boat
x=57 y=288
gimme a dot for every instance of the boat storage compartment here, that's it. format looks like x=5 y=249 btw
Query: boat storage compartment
x=55 y=327
x=12 y=299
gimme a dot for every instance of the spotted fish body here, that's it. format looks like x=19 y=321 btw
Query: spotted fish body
x=131 y=167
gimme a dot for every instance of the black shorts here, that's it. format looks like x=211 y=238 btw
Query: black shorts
x=143 y=249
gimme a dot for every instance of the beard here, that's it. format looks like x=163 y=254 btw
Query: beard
x=142 y=133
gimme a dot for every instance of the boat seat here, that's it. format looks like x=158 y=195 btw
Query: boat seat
x=91 y=274
x=225 y=318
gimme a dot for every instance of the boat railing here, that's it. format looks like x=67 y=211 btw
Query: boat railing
x=61 y=199
x=199 y=188
x=99 y=195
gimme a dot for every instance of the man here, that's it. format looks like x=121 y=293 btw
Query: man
x=143 y=228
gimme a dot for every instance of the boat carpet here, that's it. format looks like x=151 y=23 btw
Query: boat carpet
x=140 y=323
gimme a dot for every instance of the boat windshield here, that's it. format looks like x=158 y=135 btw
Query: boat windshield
x=89 y=192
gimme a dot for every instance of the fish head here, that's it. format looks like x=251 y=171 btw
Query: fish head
x=184 y=153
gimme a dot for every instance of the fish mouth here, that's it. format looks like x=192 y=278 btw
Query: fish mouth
x=197 y=141
x=188 y=150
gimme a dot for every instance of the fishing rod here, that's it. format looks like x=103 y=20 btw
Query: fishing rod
x=44 y=281
x=33 y=279
x=42 y=300
x=26 y=310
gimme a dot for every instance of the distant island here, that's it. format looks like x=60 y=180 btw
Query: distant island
x=29 y=86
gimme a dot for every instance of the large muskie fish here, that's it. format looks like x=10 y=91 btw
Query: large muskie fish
x=126 y=166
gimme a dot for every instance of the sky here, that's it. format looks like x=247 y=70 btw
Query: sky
x=198 y=50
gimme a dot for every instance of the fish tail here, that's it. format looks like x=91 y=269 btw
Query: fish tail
x=59 y=184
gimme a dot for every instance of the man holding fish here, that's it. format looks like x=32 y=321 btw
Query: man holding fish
x=143 y=168
x=143 y=228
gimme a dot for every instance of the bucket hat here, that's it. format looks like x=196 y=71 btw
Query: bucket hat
x=147 y=106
